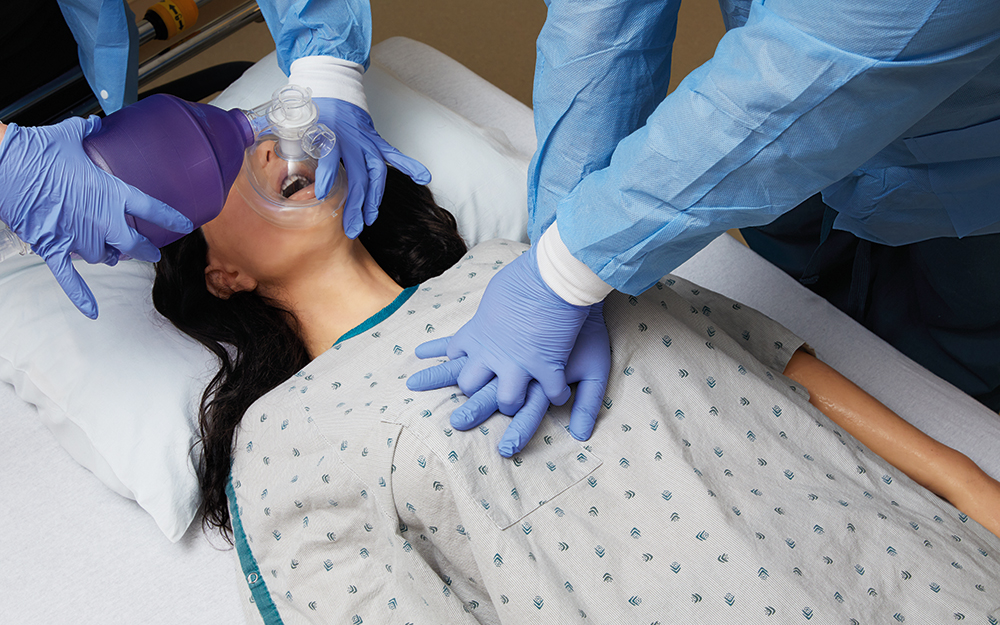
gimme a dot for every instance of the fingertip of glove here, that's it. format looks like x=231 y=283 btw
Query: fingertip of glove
x=582 y=437
x=352 y=225
x=175 y=220
x=562 y=397
x=322 y=188
x=433 y=348
x=88 y=308
x=460 y=421
x=149 y=253
x=507 y=448
x=413 y=168
x=370 y=213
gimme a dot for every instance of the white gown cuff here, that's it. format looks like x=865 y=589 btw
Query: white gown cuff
x=330 y=77
x=563 y=273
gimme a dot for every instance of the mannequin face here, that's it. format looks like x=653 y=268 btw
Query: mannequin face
x=247 y=252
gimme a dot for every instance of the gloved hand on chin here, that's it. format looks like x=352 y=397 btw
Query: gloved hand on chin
x=364 y=154
x=59 y=202
x=517 y=354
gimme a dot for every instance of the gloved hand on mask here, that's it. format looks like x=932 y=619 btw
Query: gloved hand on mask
x=364 y=154
x=59 y=202
x=324 y=47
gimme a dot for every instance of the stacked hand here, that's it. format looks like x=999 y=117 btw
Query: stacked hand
x=364 y=154
x=518 y=354
x=59 y=202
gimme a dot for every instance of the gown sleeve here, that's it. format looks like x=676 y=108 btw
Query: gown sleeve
x=791 y=102
x=337 y=28
x=108 y=45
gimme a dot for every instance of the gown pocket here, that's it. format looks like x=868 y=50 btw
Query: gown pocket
x=506 y=489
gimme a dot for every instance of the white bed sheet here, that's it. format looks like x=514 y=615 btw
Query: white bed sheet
x=75 y=552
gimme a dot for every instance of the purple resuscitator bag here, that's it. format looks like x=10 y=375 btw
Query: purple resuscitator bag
x=182 y=153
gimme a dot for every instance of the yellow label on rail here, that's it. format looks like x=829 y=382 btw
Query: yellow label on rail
x=176 y=14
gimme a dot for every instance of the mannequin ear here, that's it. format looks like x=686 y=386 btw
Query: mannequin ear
x=223 y=283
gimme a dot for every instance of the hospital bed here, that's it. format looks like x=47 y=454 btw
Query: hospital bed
x=117 y=395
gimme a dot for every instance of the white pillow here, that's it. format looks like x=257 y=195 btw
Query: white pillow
x=121 y=393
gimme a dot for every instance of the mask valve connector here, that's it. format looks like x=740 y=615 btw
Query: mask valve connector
x=279 y=169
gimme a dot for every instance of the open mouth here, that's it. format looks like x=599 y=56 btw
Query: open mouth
x=282 y=191
x=293 y=184
x=289 y=180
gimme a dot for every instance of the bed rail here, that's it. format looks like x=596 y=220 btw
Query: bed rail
x=197 y=40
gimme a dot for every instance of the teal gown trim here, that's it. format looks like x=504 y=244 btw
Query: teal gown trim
x=381 y=315
x=261 y=597
x=251 y=572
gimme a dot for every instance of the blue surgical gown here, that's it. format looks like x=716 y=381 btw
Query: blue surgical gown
x=891 y=109
x=108 y=44
x=338 y=28
x=108 y=39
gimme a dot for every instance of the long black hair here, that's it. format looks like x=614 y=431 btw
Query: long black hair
x=257 y=342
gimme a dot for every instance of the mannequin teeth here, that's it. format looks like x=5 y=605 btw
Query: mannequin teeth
x=293 y=184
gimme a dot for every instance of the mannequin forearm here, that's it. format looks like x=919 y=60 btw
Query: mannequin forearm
x=935 y=466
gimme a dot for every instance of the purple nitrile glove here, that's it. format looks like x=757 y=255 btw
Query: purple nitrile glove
x=59 y=202
x=588 y=365
x=364 y=154
x=521 y=331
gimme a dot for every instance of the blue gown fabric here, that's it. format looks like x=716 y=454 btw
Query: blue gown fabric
x=890 y=109
x=108 y=39
x=338 y=28
x=108 y=44
x=936 y=301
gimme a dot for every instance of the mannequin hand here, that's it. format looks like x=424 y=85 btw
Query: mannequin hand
x=59 y=202
x=364 y=154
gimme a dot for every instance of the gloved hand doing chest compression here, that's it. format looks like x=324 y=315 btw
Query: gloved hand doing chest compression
x=521 y=332
x=59 y=202
x=588 y=367
x=364 y=154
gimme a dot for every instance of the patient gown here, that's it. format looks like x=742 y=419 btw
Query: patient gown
x=710 y=491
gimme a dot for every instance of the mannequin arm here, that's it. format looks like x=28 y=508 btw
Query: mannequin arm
x=942 y=470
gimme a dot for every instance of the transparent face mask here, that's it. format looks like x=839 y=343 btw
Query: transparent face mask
x=279 y=170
